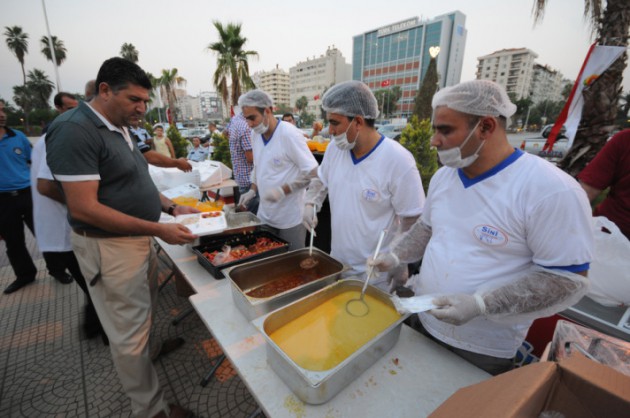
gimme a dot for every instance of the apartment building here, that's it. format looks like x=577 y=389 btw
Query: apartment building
x=275 y=83
x=312 y=77
x=512 y=68
x=547 y=84
x=398 y=54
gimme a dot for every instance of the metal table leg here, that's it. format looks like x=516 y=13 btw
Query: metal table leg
x=214 y=368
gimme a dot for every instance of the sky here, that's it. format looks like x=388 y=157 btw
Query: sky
x=171 y=34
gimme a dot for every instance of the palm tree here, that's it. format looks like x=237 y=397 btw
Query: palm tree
x=129 y=52
x=23 y=97
x=611 y=27
x=58 y=46
x=232 y=62
x=169 y=81
x=301 y=103
x=17 y=41
x=41 y=88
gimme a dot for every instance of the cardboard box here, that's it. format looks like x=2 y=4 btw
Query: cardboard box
x=576 y=387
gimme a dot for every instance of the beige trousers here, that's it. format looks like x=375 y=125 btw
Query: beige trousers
x=123 y=297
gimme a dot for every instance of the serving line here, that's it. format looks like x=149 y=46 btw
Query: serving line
x=412 y=379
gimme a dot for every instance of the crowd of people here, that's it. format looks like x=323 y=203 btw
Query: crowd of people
x=486 y=232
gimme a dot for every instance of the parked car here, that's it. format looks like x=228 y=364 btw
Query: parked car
x=535 y=145
x=392 y=130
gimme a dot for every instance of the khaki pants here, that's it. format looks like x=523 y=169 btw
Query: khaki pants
x=123 y=298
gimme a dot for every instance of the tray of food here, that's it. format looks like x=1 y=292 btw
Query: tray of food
x=261 y=286
x=317 y=347
x=203 y=223
x=223 y=251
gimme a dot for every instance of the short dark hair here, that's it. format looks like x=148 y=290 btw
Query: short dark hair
x=58 y=99
x=288 y=115
x=118 y=73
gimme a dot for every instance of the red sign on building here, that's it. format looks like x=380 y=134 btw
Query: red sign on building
x=385 y=83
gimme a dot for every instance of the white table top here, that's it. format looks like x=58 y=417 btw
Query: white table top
x=425 y=376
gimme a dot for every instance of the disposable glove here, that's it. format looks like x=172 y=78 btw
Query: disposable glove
x=459 y=308
x=246 y=197
x=384 y=262
x=309 y=218
x=274 y=195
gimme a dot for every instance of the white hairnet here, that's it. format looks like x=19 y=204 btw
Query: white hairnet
x=351 y=98
x=255 y=98
x=476 y=97
x=158 y=125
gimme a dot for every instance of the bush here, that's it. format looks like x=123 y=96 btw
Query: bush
x=180 y=144
x=221 y=152
x=416 y=137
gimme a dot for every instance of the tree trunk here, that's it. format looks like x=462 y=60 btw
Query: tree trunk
x=601 y=97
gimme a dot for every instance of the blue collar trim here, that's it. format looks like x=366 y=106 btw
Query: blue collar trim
x=266 y=141
x=575 y=268
x=467 y=182
x=356 y=160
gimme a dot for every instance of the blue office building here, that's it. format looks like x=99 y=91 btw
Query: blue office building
x=398 y=55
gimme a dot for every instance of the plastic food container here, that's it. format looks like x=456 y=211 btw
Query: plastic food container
x=244 y=240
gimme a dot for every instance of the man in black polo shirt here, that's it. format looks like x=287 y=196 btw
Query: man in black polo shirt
x=114 y=208
x=16 y=205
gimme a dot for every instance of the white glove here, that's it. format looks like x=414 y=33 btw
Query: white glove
x=274 y=195
x=309 y=218
x=383 y=262
x=246 y=197
x=458 y=309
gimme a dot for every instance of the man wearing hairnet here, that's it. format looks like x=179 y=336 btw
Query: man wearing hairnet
x=372 y=183
x=280 y=157
x=505 y=236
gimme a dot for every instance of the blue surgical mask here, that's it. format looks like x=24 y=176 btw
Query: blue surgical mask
x=453 y=157
x=341 y=140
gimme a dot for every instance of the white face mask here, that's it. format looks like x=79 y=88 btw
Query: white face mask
x=341 y=140
x=261 y=128
x=453 y=157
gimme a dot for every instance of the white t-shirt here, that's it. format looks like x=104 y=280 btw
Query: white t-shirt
x=367 y=196
x=280 y=161
x=50 y=217
x=491 y=231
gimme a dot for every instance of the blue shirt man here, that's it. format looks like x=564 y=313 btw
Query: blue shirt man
x=16 y=204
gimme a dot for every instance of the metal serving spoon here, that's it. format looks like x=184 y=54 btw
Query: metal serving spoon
x=357 y=306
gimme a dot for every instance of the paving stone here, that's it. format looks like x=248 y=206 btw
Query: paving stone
x=49 y=369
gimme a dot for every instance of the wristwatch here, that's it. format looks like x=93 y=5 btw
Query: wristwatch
x=171 y=209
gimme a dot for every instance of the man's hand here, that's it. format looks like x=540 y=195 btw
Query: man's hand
x=458 y=309
x=246 y=198
x=309 y=218
x=274 y=195
x=174 y=233
x=383 y=262
x=183 y=164
x=184 y=210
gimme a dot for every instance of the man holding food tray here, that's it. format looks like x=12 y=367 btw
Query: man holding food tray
x=114 y=209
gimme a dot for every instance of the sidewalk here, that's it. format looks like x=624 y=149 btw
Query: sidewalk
x=48 y=369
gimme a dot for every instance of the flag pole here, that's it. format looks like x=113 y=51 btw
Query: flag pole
x=52 y=49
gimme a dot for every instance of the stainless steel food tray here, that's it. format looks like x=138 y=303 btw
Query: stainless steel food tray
x=241 y=222
x=319 y=387
x=248 y=276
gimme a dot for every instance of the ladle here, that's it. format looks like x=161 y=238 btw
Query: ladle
x=357 y=306
x=310 y=262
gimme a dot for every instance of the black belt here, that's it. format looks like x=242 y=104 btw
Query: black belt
x=94 y=234
x=14 y=193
